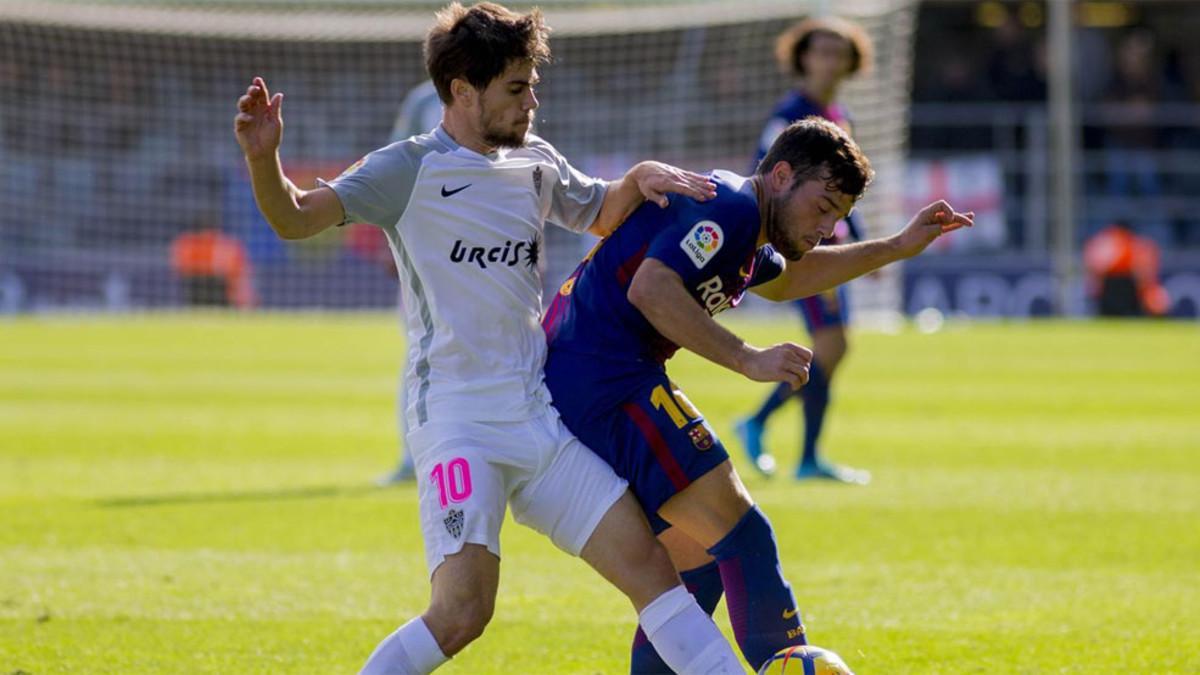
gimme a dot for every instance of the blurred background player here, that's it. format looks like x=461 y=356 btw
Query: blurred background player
x=1122 y=273
x=215 y=269
x=420 y=113
x=820 y=53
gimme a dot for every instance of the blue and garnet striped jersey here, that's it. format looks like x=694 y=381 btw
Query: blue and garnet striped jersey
x=712 y=245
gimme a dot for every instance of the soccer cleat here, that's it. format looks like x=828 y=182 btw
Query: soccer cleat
x=750 y=431
x=830 y=471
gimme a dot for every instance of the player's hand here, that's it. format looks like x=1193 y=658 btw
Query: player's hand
x=930 y=223
x=784 y=362
x=655 y=180
x=259 y=124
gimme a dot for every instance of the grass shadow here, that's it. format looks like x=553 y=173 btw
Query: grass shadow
x=311 y=492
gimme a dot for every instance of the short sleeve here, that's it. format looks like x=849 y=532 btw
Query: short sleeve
x=576 y=197
x=700 y=245
x=768 y=265
x=376 y=188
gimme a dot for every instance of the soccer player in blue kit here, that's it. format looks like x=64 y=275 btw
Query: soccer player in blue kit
x=653 y=286
x=821 y=53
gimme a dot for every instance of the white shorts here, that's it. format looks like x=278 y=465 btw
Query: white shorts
x=469 y=471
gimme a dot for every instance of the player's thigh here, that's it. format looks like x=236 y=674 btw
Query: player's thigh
x=572 y=491
x=466 y=583
x=686 y=553
x=462 y=490
x=665 y=444
x=624 y=551
x=711 y=506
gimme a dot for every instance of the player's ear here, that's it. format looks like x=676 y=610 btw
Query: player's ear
x=463 y=92
x=781 y=176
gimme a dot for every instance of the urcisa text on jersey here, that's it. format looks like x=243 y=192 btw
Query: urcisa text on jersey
x=510 y=253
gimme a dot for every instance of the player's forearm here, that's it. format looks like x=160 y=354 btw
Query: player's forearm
x=827 y=267
x=620 y=199
x=661 y=297
x=278 y=198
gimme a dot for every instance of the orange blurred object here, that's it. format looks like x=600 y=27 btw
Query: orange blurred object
x=208 y=255
x=1119 y=264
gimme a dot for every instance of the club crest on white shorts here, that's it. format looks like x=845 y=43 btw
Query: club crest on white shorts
x=454 y=522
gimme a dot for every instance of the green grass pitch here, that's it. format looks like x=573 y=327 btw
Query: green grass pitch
x=192 y=494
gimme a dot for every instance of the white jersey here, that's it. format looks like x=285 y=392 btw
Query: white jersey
x=466 y=233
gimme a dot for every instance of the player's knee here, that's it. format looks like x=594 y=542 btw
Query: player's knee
x=843 y=347
x=652 y=565
x=831 y=350
x=457 y=625
x=639 y=566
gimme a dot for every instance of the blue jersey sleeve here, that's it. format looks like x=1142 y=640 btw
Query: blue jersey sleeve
x=701 y=242
x=768 y=265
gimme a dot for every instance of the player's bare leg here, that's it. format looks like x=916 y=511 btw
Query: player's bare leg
x=463 y=597
x=829 y=348
x=461 y=604
x=702 y=578
x=686 y=553
x=710 y=507
x=716 y=511
x=623 y=550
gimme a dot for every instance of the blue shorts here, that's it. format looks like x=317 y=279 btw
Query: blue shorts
x=825 y=309
x=651 y=434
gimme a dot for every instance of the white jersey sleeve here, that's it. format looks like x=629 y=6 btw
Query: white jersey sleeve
x=376 y=189
x=575 y=197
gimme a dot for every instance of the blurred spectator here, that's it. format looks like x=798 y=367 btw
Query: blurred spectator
x=214 y=268
x=1123 y=273
x=1016 y=68
x=1138 y=85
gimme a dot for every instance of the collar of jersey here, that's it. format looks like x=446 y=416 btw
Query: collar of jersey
x=444 y=136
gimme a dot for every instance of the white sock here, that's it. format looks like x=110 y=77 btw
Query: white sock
x=685 y=637
x=411 y=650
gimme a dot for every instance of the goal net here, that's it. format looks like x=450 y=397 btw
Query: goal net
x=122 y=188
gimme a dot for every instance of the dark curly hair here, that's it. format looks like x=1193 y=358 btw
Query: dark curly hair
x=478 y=43
x=792 y=44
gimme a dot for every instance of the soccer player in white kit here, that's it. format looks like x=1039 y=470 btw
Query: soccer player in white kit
x=463 y=209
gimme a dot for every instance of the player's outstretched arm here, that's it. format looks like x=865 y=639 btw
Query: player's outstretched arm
x=293 y=213
x=647 y=181
x=659 y=294
x=826 y=267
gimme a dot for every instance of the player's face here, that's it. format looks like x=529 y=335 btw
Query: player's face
x=827 y=60
x=804 y=215
x=506 y=106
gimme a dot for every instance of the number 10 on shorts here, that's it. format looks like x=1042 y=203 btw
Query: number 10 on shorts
x=452 y=480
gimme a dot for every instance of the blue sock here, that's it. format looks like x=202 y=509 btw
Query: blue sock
x=816 y=402
x=777 y=397
x=762 y=608
x=704 y=583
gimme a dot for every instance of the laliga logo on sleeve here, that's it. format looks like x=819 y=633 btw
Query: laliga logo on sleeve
x=702 y=242
x=353 y=167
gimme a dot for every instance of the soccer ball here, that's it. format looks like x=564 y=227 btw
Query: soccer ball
x=804 y=660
